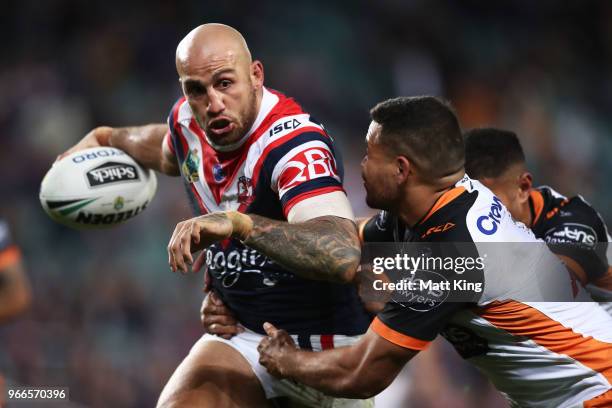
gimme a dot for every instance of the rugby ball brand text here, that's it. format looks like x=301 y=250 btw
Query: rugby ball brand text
x=111 y=172
x=80 y=158
x=107 y=219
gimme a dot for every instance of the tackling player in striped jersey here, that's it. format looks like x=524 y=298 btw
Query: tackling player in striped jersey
x=539 y=354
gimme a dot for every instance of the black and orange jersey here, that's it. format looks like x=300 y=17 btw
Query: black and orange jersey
x=435 y=226
x=560 y=221
x=461 y=215
x=536 y=352
x=445 y=222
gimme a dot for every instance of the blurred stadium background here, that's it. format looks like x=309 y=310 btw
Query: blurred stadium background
x=109 y=319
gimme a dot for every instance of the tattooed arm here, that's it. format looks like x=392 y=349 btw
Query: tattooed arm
x=322 y=248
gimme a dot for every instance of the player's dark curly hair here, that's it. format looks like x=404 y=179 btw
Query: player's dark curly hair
x=489 y=152
x=425 y=129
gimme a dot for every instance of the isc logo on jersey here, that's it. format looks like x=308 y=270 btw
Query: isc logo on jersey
x=288 y=125
x=307 y=165
x=487 y=224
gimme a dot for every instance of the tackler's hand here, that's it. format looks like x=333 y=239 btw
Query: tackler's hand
x=275 y=350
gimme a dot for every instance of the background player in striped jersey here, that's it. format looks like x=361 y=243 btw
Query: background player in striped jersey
x=495 y=157
x=242 y=148
x=538 y=354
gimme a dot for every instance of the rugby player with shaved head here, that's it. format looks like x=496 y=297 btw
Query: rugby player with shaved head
x=273 y=222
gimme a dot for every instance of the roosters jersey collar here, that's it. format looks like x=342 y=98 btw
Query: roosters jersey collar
x=268 y=101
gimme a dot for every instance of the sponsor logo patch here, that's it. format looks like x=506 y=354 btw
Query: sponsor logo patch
x=111 y=172
x=191 y=166
x=439 y=228
x=287 y=125
x=571 y=233
x=305 y=166
x=235 y=262
x=488 y=224
x=119 y=203
x=466 y=342
x=218 y=173
x=427 y=293
x=245 y=190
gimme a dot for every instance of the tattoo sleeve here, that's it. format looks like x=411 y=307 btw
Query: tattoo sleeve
x=324 y=248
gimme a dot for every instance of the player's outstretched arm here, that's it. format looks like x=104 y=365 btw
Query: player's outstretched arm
x=143 y=143
x=322 y=248
x=359 y=371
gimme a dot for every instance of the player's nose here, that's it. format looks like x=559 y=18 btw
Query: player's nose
x=215 y=102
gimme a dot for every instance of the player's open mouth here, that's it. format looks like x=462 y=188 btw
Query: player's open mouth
x=221 y=126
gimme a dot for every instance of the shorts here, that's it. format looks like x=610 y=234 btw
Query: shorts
x=246 y=344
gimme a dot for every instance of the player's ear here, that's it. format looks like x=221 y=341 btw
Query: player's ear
x=257 y=74
x=525 y=183
x=402 y=168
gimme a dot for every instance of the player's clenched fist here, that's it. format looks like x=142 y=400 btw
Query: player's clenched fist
x=197 y=233
x=275 y=349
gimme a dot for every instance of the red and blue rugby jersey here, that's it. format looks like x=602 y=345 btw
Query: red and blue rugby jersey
x=285 y=158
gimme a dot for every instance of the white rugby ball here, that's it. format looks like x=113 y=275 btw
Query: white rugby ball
x=96 y=188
